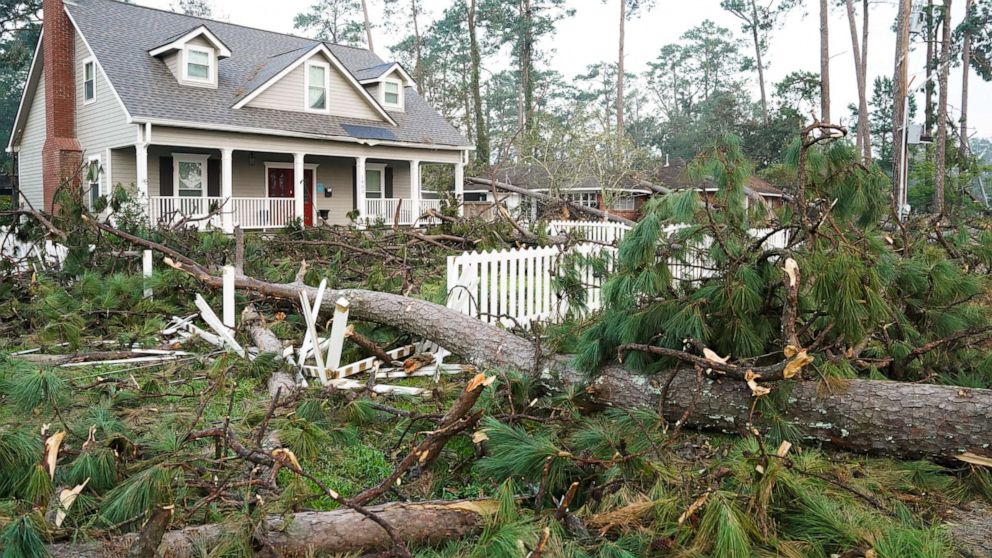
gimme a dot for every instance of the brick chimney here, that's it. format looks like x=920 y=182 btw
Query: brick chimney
x=61 y=157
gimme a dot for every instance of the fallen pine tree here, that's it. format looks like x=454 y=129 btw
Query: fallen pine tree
x=881 y=417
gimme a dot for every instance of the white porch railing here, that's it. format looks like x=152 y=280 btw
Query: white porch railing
x=384 y=209
x=249 y=213
x=169 y=210
x=262 y=213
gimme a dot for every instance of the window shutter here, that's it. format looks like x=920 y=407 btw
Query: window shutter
x=354 y=188
x=388 y=187
x=165 y=186
x=213 y=178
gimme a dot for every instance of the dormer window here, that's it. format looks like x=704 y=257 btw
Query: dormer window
x=193 y=57
x=89 y=81
x=318 y=86
x=392 y=93
x=199 y=64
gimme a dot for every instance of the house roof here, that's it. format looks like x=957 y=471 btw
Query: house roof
x=675 y=176
x=121 y=35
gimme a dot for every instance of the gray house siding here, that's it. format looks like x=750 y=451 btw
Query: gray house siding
x=29 y=156
x=101 y=123
x=289 y=93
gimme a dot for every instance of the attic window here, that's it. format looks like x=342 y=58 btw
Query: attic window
x=392 y=93
x=199 y=64
x=318 y=85
x=89 y=81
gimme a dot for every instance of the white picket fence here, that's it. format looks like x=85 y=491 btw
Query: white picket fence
x=514 y=287
x=595 y=231
x=23 y=254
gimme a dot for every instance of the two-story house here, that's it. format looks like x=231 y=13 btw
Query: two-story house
x=196 y=115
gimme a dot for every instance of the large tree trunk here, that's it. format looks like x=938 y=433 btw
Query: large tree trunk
x=859 y=70
x=341 y=531
x=623 y=21
x=825 y=60
x=941 y=163
x=900 y=81
x=525 y=54
x=482 y=153
x=418 y=68
x=880 y=417
x=965 y=70
x=757 y=56
x=368 y=24
x=929 y=87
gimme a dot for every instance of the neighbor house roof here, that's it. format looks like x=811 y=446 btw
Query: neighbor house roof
x=121 y=35
x=675 y=176
x=556 y=175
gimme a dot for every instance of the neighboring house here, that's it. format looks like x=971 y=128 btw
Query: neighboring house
x=197 y=114
x=624 y=198
x=675 y=176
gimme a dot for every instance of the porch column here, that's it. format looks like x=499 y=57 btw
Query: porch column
x=141 y=174
x=227 y=189
x=460 y=187
x=360 y=202
x=298 y=185
x=415 y=190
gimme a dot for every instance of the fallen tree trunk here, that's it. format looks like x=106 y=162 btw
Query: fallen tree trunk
x=880 y=417
x=307 y=533
x=891 y=418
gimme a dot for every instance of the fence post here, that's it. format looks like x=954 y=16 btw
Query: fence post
x=229 y=296
x=146 y=270
x=336 y=339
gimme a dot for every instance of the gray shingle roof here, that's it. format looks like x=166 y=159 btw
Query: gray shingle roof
x=121 y=34
x=373 y=72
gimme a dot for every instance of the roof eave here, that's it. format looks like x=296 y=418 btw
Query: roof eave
x=222 y=50
x=21 y=113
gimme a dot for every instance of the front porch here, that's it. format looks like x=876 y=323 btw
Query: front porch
x=224 y=188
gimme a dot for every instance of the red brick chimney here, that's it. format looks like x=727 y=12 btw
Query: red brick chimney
x=61 y=157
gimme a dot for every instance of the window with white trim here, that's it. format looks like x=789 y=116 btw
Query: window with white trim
x=374 y=178
x=199 y=64
x=392 y=93
x=623 y=202
x=318 y=86
x=94 y=177
x=89 y=81
x=586 y=199
x=190 y=175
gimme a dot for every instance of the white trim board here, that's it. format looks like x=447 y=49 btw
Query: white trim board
x=180 y=43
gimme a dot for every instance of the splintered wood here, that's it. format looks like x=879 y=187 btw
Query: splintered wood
x=331 y=373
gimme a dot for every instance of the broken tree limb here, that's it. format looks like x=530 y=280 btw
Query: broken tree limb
x=302 y=534
x=548 y=199
x=280 y=381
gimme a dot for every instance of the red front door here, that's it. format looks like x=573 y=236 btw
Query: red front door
x=282 y=185
x=308 y=197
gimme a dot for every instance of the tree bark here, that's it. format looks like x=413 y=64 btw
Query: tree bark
x=931 y=37
x=900 y=81
x=859 y=70
x=965 y=71
x=482 y=152
x=941 y=163
x=623 y=21
x=824 y=61
x=546 y=198
x=304 y=534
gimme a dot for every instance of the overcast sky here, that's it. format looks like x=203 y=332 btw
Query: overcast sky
x=591 y=36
